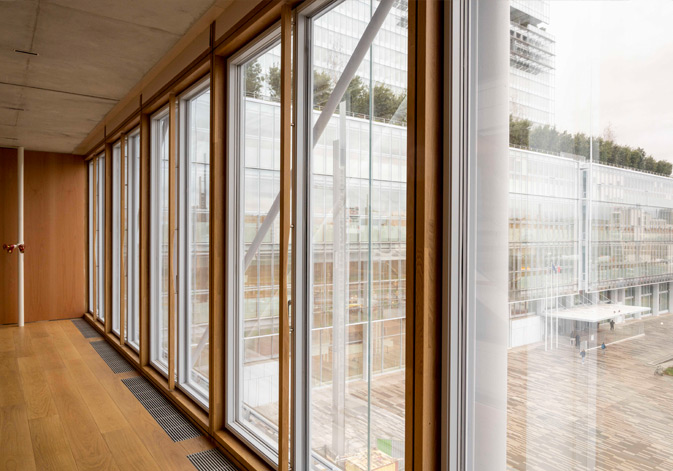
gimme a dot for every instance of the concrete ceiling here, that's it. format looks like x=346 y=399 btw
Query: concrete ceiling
x=90 y=55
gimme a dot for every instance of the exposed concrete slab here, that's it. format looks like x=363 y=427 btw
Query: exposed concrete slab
x=9 y=117
x=91 y=54
x=170 y=16
x=17 y=22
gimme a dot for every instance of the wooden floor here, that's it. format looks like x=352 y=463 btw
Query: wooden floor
x=608 y=413
x=62 y=408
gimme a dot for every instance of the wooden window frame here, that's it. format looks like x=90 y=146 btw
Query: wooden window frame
x=424 y=233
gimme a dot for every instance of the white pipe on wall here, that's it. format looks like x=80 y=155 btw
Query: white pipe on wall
x=20 y=253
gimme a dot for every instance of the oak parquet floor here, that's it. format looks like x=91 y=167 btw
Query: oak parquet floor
x=62 y=408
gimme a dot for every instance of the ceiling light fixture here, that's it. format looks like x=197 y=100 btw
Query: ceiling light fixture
x=26 y=52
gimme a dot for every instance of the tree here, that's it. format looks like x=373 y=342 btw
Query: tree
x=273 y=81
x=581 y=144
x=650 y=164
x=253 y=78
x=357 y=96
x=519 y=132
x=664 y=167
x=322 y=88
x=636 y=157
x=544 y=137
x=605 y=150
x=386 y=102
x=608 y=153
x=565 y=143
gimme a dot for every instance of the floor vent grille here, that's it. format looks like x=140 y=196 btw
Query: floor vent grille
x=211 y=460
x=110 y=356
x=85 y=328
x=171 y=420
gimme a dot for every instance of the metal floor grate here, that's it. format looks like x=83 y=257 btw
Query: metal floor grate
x=110 y=356
x=85 y=328
x=211 y=460
x=171 y=420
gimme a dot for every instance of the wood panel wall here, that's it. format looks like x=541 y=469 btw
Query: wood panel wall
x=55 y=215
x=9 y=264
x=55 y=212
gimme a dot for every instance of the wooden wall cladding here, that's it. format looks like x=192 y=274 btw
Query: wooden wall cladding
x=9 y=264
x=55 y=212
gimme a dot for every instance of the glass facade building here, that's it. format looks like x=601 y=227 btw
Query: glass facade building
x=531 y=72
x=580 y=233
x=584 y=233
x=544 y=239
x=631 y=220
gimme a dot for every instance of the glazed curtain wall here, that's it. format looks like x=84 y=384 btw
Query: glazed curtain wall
x=560 y=275
x=310 y=153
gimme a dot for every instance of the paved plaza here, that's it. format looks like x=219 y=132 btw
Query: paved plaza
x=610 y=413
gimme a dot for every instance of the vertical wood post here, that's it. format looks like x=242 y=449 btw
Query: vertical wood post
x=285 y=208
x=109 y=221
x=94 y=308
x=216 y=355
x=424 y=236
x=145 y=194
x=122 y=228
x=172 y=202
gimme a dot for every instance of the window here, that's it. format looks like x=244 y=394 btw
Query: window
x=159 y=242
x=100 y=237
x=663 y=298
x=356 y=217
x=548 y=205
x=194 y=228
x=116 y=236
x=348 y=249
x=91 y=229
x=254 y=159
x=132 y=239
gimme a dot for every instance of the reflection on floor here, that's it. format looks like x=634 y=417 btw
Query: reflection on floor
x=609 y=413
x=61 y=407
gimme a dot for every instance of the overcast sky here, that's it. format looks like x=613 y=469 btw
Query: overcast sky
x=614 y=66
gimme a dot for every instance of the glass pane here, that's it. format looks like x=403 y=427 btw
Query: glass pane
x=358 y=219
x=570 y=346
x=91 y=227
x=195 y=312
x=133 y=239
x=100 y=237
x=257 y=295
x=116 y=228
x=124 y=236
x=159 y=242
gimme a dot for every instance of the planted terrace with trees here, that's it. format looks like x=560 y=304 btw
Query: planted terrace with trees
x=389 y=107
x=548 y=139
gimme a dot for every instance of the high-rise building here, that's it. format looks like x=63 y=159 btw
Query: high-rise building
x=531 y=71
